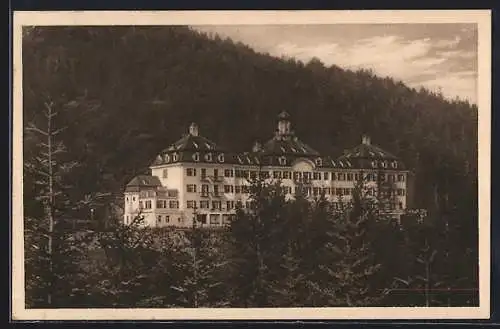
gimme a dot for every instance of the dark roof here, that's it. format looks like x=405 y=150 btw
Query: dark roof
x=368 y=151
x=288 y=146
x=193 y=143
x=283 y=115
x=368 y=156
x=142 y=181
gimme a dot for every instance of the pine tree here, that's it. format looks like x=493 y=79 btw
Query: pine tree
x=348 y=264
x=198 y=264
x=53 y=250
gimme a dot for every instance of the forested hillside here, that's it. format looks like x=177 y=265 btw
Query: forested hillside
x=125 y=93
x=131 y=91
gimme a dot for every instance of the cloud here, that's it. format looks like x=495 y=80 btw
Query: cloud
x=412 y=61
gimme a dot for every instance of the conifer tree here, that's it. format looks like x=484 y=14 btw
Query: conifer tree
x=349 y=264
x=198 y=264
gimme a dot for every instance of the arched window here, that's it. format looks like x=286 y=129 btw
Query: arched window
x=175 y=157
x=319 y=162
x=384 y=164
x=166 y=158
x=282 y=161
x=196 y=157
x=208 y=157
x=394 y=164
x=374 y=164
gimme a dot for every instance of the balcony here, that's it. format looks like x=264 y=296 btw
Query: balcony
x=216 y=194
x=212 y=179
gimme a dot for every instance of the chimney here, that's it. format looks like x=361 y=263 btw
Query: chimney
x=365 y=139
x=193 y=129
x=257 y=147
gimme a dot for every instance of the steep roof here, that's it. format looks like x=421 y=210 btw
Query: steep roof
x=366 y=155
x=288 y=146
x=193 y=143
x=142 y=181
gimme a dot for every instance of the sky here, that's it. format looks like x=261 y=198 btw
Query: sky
x=440 y=57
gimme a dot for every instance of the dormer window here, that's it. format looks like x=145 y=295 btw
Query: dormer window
x=374 y=164
x=319 y=162
x=384 y=164
x=282 y=161
x=208 y=157
x=167 y=158
x=196 y=157
x=220 y=158
x=175 y=157
x=394 y=164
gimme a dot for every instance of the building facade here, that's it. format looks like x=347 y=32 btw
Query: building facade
x=194 y=178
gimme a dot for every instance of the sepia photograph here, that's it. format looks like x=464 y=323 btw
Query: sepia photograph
x=263 y=165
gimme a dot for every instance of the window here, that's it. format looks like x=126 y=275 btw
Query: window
x=391 y=178
x=216 y=204
x=201 y=218
x=382 y=177
x=326 y=190
x=287 y=175
x=216 y=189
x=245 y=189
x=208 y=157
x=126 y=199
x=203 y=172
x=316 y=176
x=214 y=219
x=165 y=173
x=356 y=177
x=159 y=219
x=349 y=177
x=226 y=219
x=228 y=189
x=237 y=173
x=325 y=176
x=133 y=199
x=401 y=205
x=347 y=191
x=248 y=204
x=191 y=171
x=338 y=191
x=204 y=188
x=191 y=188
x=341 y=176
x=191 y=204
x=196 y=157
x=161 y=204
x=264 y=174
x=401 y=178
x=173 y=204
x=167 y=219
x=220 y=158
x=276 y=174
x=229 y=205
x=253 y=174
x=204 y=204
x=316 y=190
x=401 y=192
x=228 y=173
x=237 y=189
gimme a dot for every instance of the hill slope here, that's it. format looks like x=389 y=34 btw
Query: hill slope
x=131 y=91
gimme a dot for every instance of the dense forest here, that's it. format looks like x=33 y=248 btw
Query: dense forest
x=113 y=97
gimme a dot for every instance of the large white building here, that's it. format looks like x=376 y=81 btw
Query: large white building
x=195 y=178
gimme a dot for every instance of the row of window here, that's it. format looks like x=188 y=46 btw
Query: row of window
x=215 y=205
x=252 y=174
x=215 y=219
x=162 y=204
